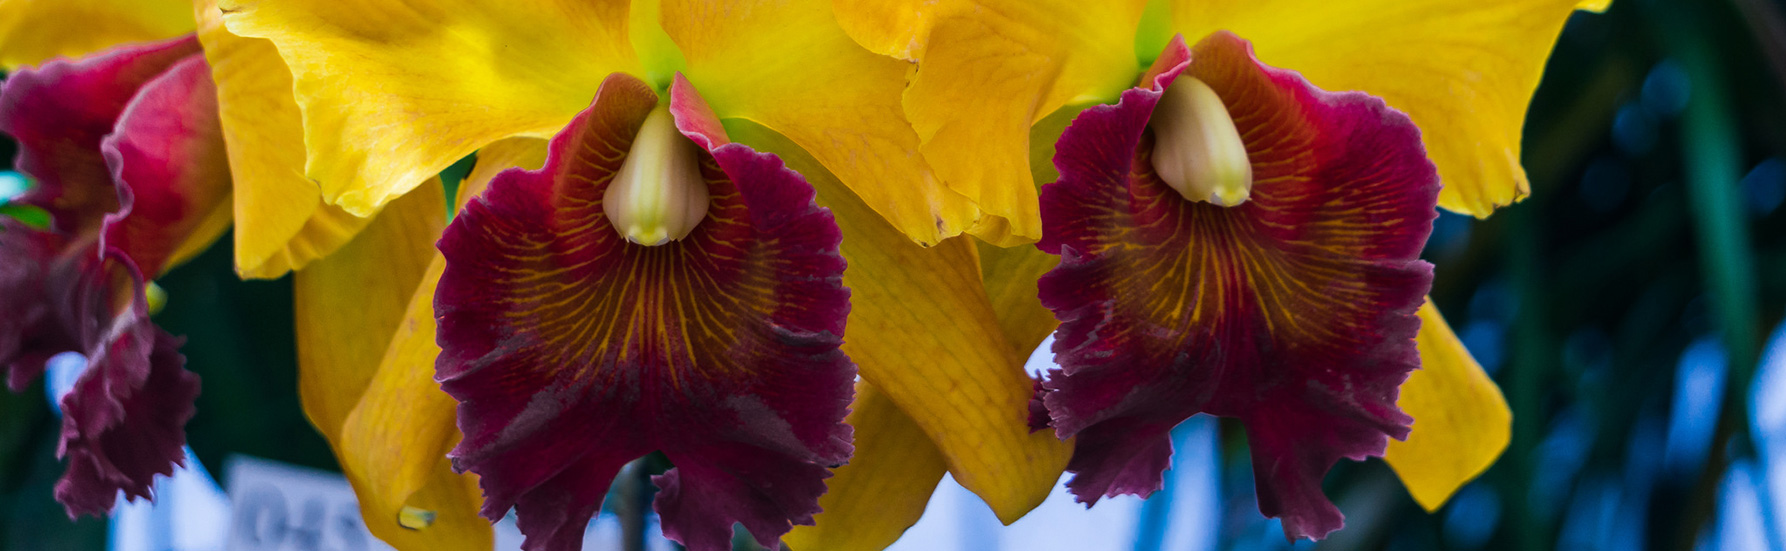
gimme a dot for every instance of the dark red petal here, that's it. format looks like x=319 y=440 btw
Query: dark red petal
x=60 y=111
x=694 y=118
x=28 y=336
x=572 y=351
x=554 y=515
x=1122 y=455
x=123 y=422
x=1165 y=68
x=715 y=484
x=1293 y=312
x=166 y=155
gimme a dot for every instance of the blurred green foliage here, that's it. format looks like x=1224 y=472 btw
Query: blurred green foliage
x=239 y=340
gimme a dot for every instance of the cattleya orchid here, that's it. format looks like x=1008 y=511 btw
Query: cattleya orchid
x=573 y=303
x=144 y=153
x=128 y=156
x=1127 y=356
x=774 y=77
x=1282 y=292
x=281 y=222
x=348 y=305
x=662 y=268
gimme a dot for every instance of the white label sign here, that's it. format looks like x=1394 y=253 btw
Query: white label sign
x=279 y=507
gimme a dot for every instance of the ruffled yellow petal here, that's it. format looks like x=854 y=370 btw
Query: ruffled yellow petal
x=989 y=70
x=32 y=31
x=1596 y=6
x=393 y=443
x=282 y=223
x=788 y=66
x=1464 y=70
x=430 y=81
x=1461 y=421
x=1010 y=274
x=884 y=488
x=348 y=305
x=964 y=386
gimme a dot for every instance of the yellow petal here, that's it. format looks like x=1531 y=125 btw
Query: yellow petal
x=788 y=66
x=1010 y=274
x=922 y=331
x=348 y=305
x=884 y=488
x=1464 y=70
x=990 y=71
x=441 y=515
x=32 y=31
x=393 y=443
x=430 y=81
x=964 y=386
x=1596 y=6
x=282 y=223
x=1461 y=421
x=897 y=28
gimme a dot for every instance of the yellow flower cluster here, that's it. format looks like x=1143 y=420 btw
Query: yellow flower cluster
x=928 y=128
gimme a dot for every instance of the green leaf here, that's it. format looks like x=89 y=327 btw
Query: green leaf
x=30 y=215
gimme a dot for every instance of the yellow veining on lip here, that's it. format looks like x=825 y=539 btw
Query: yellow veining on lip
x=681 y=306
x=1181 y=265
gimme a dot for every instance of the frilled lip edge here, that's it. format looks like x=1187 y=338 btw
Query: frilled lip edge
x=720 y=350
x=123 y=421
x=1293 y=312
x=85 y=127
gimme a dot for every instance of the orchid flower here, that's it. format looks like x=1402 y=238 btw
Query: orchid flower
x=1274 y=279
x=744 y=86
x=217 y=139
x=638 y=296
x=128 y=156
x=281 y=222
x=1461 y=72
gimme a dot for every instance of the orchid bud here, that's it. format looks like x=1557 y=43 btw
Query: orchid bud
x=658 y=195
x=1197 y=150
